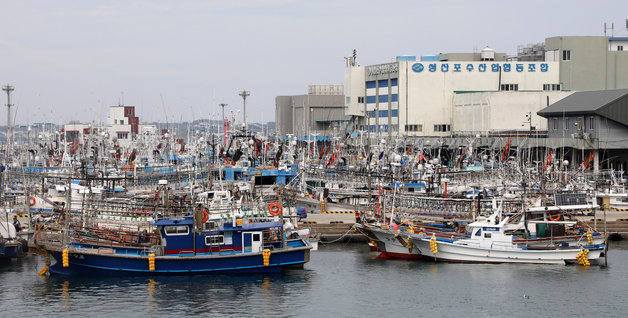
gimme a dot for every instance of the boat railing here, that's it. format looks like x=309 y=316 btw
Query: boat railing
x=228 y=249
x=186 y=252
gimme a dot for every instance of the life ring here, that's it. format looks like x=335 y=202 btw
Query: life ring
x=555 y=216
x=205 y=216
x=274 y=209
x=31 y=200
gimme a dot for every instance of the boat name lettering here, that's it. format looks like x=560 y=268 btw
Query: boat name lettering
x=494 y=229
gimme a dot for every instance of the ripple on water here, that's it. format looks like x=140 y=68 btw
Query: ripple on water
x=340 y=281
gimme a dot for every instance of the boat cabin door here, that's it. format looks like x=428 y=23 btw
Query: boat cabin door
x=252 y=242
x=487 y=236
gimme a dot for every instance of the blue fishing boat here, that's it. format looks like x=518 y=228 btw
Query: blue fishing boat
x=183 y=246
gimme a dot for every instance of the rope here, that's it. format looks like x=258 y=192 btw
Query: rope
x=338 y=239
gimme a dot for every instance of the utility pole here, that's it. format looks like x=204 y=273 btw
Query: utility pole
x=8 y=88
x=244 y=95
x=224 y=131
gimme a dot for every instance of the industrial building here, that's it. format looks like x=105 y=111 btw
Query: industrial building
x=590 y=124
x=480 y=93
x=490 y=96
x=318 y=113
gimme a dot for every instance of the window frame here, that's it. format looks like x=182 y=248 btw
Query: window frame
x=509 y=87
x=210 y=240
x=566 y=55
x=177 y=231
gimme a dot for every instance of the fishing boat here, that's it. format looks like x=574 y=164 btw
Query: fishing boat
x=180 y=247
x=392 y=243
x=535 y=229
x=11 y=244
x=490 y=243
x=387 y=241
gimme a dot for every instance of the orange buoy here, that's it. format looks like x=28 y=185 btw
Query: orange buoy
x=555 y=216
x=274 y=209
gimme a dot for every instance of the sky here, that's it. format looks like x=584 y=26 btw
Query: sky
x=177 y=60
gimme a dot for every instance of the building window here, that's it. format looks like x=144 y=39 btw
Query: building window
x=348 y=100
x=360 y=99
x=370 y=84
x=393 y=82
x=591 y=123
x=123 y=135
x=566 y=55
x=370 y=99
x=414 y=127
x=565 y=123
x=551 y=87
x=383 y=98
x=442 y=128
x=620 y=48
x=383 y=83
x=509 y=87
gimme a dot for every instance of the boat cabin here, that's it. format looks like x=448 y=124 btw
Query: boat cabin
x=178 y=237
x=486 y=234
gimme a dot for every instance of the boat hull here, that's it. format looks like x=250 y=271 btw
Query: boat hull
x=389 y=245
x=458 y=252
x=95 y=263
x=13 y=249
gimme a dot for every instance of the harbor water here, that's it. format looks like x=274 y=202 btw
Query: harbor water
x=339 y=281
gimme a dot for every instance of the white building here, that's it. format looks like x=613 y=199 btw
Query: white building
x=122 y=125
x=451 y=93
x=122 y=122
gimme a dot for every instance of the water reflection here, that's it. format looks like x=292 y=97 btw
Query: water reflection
x=339 y=281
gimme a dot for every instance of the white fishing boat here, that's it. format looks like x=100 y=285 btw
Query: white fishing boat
x=490 y=243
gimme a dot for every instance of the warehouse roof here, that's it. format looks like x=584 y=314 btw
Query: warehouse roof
x=611 y=103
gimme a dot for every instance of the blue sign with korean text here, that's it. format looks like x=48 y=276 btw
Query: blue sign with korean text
x=482 y=67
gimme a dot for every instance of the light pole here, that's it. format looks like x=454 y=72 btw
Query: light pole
x=224 y=131
x=244 y=95
x=8 y=88
x=580 y=127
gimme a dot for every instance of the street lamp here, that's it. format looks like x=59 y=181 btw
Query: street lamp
x=224 y=131
x=244 y=95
